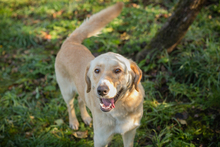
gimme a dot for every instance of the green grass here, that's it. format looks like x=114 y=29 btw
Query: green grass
x=182 y=102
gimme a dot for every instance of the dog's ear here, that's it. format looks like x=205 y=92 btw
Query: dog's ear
x=137 y=74
x=88 y=82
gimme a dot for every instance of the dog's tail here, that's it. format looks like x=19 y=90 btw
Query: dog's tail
x=93 y=25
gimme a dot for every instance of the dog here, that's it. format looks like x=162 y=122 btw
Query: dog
x=109 y=85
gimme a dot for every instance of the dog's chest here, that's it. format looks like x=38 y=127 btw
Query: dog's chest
x=124 y=123
x=125 y=126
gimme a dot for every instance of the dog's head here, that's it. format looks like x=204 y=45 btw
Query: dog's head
x=110 y=76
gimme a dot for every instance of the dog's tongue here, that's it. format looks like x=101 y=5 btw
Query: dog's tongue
x=107 y=102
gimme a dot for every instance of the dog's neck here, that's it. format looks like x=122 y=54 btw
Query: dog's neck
x=131 y=99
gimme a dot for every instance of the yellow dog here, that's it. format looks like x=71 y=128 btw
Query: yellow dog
x=109 y=85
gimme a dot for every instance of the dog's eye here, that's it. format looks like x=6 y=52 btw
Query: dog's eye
x=117 y=70
x=97 y=70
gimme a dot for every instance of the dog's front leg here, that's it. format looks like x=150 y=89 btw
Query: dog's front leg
x=102 y=134
x=128 y=138
x=102 y=138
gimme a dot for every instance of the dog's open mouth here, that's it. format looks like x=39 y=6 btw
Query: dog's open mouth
x=108 y=104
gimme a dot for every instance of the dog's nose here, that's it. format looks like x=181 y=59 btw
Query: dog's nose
x=103 y=90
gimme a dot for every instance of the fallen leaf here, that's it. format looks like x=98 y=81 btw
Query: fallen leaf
x=59 y=122
x=135 y=5
x=81 y=134
x=31 y=117
x=28 y=134
x=109 y=29
x=3 y=52
x=182 y=122
x=57 y=13
x=165 y=15
x=124 y=36
x=48 y=37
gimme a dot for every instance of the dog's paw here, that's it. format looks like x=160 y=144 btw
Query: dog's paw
x=74 y=125
x=87 y=120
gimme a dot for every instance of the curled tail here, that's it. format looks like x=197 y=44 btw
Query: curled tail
x=93 y=25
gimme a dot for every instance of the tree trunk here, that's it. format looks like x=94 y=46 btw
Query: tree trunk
x=174 y=29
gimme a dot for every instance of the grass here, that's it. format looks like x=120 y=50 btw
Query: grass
x=181 y=107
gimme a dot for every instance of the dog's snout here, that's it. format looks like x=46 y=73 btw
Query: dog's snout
x=103 y=90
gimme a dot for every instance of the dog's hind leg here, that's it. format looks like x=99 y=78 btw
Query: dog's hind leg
x=68 y=91
x=68 y=96
x=84 y=114
x=73 y=122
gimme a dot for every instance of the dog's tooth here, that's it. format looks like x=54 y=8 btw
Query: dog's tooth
x=102 y=105
x=107 y=107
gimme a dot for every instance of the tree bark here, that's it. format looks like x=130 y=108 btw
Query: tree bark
x=174 y=29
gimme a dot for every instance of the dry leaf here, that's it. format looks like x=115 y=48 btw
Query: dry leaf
x=48 y=37
x=57 y=13
x=125 y=36
x=31 y=117
x=109 y=29
x=28 y=134
x=81 y=134
x=59 y=122
x=182 y=122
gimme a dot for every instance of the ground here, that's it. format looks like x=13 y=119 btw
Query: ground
x=181 y=107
